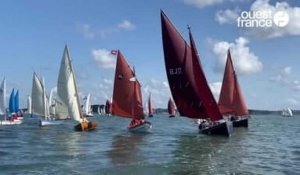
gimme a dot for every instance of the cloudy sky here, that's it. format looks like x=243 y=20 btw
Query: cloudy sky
x=33 y=34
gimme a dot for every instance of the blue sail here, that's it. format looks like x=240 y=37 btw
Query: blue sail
x=12 y=102
x=17 y=101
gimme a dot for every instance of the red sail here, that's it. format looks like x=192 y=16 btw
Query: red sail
x=150 y=110
x=231 y=101
x=127 y=96
x=108 y=106
x=171 y=107
x=186 y=78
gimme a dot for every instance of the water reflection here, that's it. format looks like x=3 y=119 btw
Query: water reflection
x=125 y=149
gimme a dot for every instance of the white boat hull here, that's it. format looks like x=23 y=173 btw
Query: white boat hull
x=9 y=122
x=142 y=128
x=50 y=122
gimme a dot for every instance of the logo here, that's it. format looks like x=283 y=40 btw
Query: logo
x=264 y=18
x=281 y=18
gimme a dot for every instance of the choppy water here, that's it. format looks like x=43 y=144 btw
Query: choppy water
x=271 y=145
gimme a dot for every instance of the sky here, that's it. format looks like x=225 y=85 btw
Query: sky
x=33 y=34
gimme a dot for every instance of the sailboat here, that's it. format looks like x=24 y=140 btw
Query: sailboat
x=68 y=93
x=188 y=83
x=86 y=107
x=287 y=112
x=29 y=105
x=108 y=106
x=171 y=108
x=40 y=103
x=13 y=107
x=231 y=101
x=150 y=109
x=127 y=96
x=3 y=113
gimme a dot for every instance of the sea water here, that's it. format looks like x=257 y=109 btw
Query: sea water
x=271 y=145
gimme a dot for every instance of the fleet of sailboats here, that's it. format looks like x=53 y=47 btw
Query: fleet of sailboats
x=188 y=83
x=231 y=101
x=14 y=118
x=127 y=96
x=68 y=93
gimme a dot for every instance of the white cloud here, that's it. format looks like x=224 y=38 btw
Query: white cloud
x=86 y=30
x=91 y=33
x=216 y=89
x=283 y=77
x=227 y=16
x=104 y=58
x=202 y=3
x=159 y=90
x=244 y=61
x=126 y=25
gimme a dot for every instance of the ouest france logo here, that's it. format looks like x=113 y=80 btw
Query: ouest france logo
x=266 y=18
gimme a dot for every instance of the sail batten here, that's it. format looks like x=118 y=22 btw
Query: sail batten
x=231 y=101
x=185 y=75
x=127 y=96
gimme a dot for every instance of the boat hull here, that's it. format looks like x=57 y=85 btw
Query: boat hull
x=223 y=128
x=50 y=122
x=150 y=115
x=86 y=126
x=242 y=122
x=171 y=116
x=141 y=128
x=9 y=122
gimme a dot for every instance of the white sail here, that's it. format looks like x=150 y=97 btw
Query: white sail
x=66 y=87
x=29 y=111
x=86 y=107
x=56 y=107
x=2 y=98
x=37 y=96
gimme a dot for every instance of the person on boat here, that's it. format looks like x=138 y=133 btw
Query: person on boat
x=136 y=122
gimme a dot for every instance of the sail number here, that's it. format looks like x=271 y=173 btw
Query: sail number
x=175 y=71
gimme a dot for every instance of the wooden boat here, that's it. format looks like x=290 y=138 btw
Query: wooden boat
x=4 y=119
x=188 y=83
x=231 y=101
x=171 y=108
x=127 y=97
x=68 y=93
x=150 y=109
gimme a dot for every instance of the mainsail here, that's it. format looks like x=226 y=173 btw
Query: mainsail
x=67 y=88
x=37 y=96
x=150 y=109
x=127 y=96
x=11 y=107
x=171 y=107
x=186 y=78
x=231 y=101
x=3 y=98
